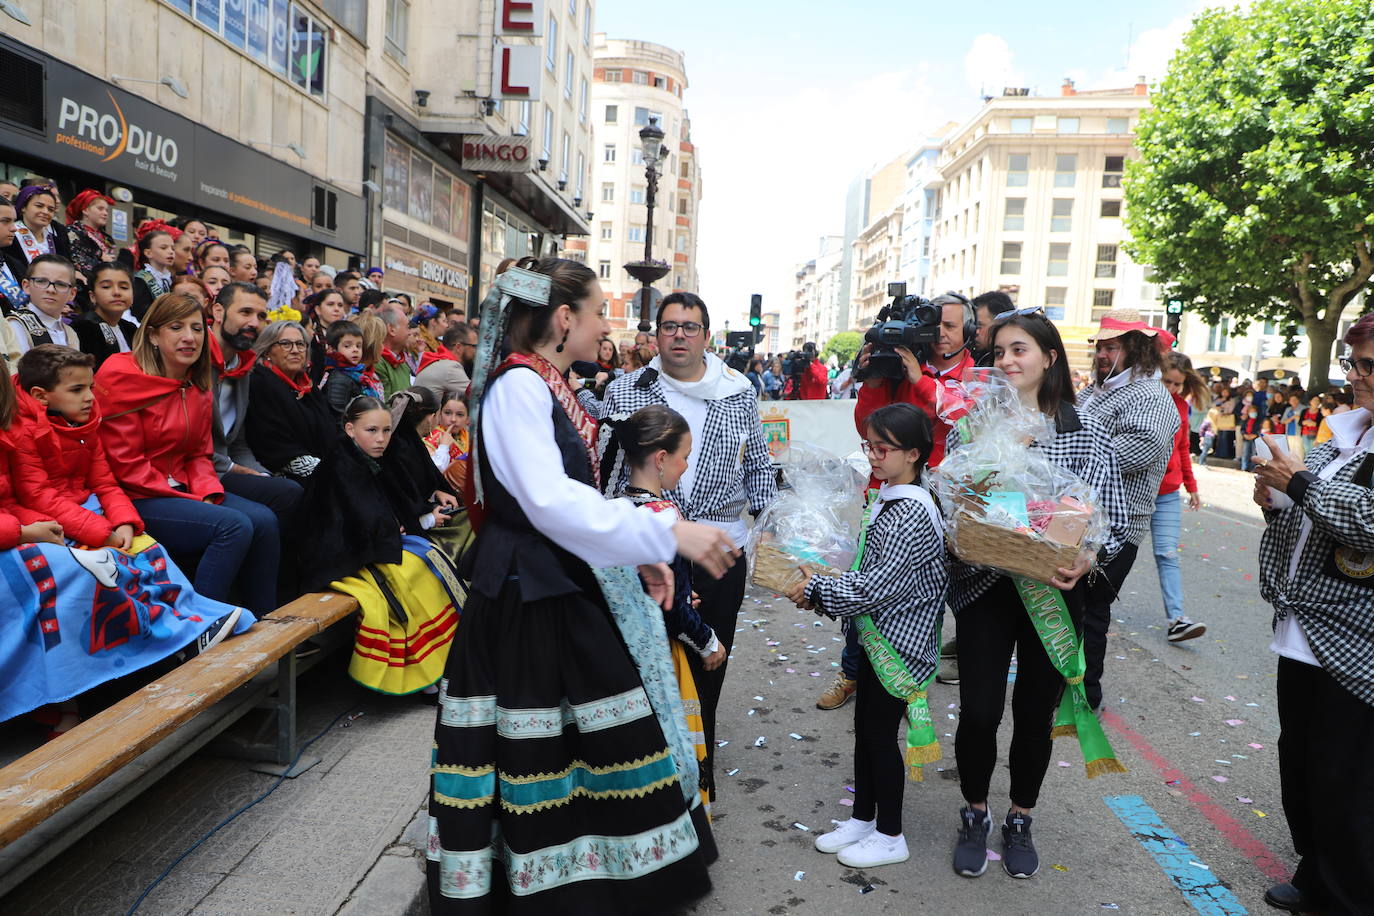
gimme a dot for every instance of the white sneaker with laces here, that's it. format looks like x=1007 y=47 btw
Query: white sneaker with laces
x=846 y=833
x=874 y=850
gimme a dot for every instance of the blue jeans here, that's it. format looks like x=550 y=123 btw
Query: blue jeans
x=237 y=536
x=1205 y=449
x=1247 y=453
x=1165 y=525
x=853 y=653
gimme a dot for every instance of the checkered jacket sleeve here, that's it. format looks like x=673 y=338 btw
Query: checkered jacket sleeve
x=901 y=581
x=1141 y=421
x=1337 y=614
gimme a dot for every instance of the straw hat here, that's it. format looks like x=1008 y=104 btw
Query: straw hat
x=1122 y=321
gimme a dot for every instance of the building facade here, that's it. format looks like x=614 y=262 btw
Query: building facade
x=1031 y=203
x=816 y=294
x=246 y=115
x=479 y=134
x=918 y=201
x=635 y=83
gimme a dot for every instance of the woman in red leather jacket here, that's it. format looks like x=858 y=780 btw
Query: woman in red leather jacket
x=156 y=401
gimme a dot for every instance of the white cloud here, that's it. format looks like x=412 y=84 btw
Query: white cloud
x=988 y=65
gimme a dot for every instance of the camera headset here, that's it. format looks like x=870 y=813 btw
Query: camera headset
x=970 y=319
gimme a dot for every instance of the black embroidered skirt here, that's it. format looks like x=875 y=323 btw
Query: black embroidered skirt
x=553 y=789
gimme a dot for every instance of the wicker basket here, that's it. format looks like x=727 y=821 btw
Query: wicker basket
x=777 y=570
x=1020 y=553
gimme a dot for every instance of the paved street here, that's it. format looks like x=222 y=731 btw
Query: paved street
x=1194 y=779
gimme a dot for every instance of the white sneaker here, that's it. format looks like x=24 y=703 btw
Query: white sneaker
x=846 y=833
x=874 y=850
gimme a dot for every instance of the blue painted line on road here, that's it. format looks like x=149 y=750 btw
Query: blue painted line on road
x=1193 y=879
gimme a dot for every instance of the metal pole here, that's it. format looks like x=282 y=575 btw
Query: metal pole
x=651 y=177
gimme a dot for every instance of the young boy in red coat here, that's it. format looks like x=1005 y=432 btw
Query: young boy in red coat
x=63 y=463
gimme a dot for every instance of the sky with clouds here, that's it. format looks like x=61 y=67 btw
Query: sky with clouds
x=790 y=101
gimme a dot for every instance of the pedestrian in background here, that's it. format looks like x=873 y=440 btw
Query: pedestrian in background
x=1166 y=524
x=1315 y=564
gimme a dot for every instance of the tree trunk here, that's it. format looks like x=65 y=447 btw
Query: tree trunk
x=1321 y=336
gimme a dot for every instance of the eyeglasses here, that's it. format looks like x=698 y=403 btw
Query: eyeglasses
x=688 y=328
x=289 y=344
x=1363 y=367
x=62 y=286
x=876 y=451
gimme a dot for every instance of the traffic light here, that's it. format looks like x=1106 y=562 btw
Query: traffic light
x=755 y=310
x=1174 y=309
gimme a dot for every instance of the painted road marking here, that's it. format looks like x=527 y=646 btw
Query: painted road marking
x=1264 y=858
x=1194 y=880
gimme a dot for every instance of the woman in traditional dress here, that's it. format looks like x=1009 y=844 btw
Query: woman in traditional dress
x=36 y=232
x=563 y=778
x=87 y=216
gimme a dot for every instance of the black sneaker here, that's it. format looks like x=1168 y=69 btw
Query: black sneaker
x=1183 y=628
x=1019 y=857
x=971 y=848
x=219 y=631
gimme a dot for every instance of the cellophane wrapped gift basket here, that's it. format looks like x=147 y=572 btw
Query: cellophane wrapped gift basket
x=1007 y=506
x=814 y=521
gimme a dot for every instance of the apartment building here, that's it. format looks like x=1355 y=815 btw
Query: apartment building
x=1031 y=203
x=635 y=83
x=815 y=306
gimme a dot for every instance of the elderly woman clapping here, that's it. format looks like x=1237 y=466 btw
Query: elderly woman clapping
x=290 y=427
x=1317 y=570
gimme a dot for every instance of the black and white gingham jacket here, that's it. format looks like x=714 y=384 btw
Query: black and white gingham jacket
x=733 y=469
x=1337 y=615
x=1081 y=447
x=901 y=581
x=1141 y=419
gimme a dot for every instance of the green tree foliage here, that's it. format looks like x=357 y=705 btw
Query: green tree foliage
x=843 y=345
x=1254 y=193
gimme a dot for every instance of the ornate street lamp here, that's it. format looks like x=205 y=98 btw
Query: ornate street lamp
x=647 y=270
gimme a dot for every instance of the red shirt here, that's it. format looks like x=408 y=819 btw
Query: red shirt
x=1180 y=469
x=815 y=382
x=877 y=393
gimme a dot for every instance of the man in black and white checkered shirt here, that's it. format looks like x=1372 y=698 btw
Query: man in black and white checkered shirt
x=1129 y=399
x=728 y=469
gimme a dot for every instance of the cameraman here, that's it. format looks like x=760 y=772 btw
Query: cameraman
x=949 y=357
x=987 y=308
x=814 y=380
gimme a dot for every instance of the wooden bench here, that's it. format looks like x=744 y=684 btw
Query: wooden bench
x=55 y=794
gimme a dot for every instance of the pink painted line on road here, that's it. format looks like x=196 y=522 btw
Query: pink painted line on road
x=1265 y=859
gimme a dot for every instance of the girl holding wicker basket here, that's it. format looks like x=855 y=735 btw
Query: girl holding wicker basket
x=895 y=597
x=997 y=612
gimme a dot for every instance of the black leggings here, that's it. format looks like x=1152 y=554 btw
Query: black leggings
x=987 y=630
x=879 y=772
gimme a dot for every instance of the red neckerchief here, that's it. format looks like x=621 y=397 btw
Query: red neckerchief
x=395 y=359
x=301 y=385
x=581 y=420
x=246 y=359
x=433 y=357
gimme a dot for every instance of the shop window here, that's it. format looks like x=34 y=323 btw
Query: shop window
x=443 y=201
x=396 y=190
x=421 y=187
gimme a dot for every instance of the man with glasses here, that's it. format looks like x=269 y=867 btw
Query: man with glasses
x=50 y=284
x=728 y=467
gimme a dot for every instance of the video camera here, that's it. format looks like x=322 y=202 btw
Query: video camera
x=907 y=321
x=739 y=350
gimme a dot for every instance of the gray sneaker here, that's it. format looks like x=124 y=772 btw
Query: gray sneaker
x=971 y=848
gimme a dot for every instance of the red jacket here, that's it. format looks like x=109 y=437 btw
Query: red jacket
x=815 y=382
x=877 y=392
x=156 y=428
x=1180 y=469
x=9 y=503
x=59 y=468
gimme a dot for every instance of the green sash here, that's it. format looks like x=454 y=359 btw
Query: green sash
x=1050 y=616
x=922 y=746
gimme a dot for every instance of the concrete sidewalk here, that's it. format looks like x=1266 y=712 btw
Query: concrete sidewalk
x=347 y=836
